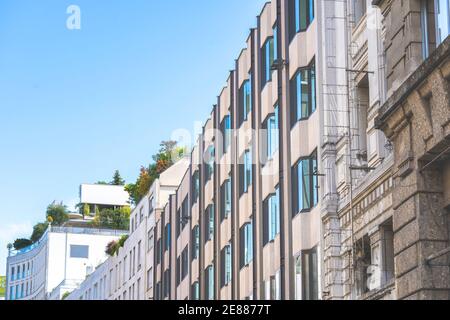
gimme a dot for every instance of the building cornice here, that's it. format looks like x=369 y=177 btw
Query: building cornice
x=412 y=82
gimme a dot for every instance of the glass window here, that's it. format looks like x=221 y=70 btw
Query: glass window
x=209 y=283
x=184 y=213
x=310 y=276
x=247 y=170
x=195 y=187
x=275 y=42
x=77 y=251
x=167 y=236
x=272 y=128
x=271 y=217
x=195 y=242
x=195 y=291
x=245 y=97
x=225 y=256
x=268 y=57
x=226 y=199
x=226 y=131
x=301 y=14
x=227 y=264
x=359 y=10
x=209 y=167
x=305 y=184
x=209 y=219
x=303 y=94
x=442 y=9
x=246 y=244
x=184 y=263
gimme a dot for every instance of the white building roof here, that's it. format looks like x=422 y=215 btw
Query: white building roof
x=104 y=195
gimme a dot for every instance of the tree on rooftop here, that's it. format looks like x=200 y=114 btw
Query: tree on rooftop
x=58 y=212
x=21 y=243
x=38 y=231
x=167 y=155
x=117 y=179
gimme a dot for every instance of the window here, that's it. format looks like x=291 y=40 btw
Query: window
x=184 y=213
x=301 y=14
x=209 y=223
x=246 y=245
x=158 y=251
x=268 y=56
x=273 y=288
x=134 y=260
x=195 y=187
x=158 y=291
x=209 y=283
x=442 y=9
x=77 y=251
x=195 y=242
x=150 y=206
x=166 y=284
x=226 y=132
x=425 y=26
x=184 y=263
x=177 y=272
x=178 y=223
x=141 y=215
x=303 y=94
x=246 y=172
x=310 y=283
x=225 y=195
x=304 y=185
x=245 y=100
x=225 y=257
x=359 y=10
x=271 y=210
x=12 y=274
x=195 y=291
x=362 y=263
x=150 y=240
x=149 y=279
x=167 y=237
x=272 y=129
x=124 y=269
x=209 y=160
x=139 y=255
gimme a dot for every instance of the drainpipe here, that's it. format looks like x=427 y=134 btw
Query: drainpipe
x=282 y=112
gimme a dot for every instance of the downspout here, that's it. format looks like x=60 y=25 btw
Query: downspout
x=254 y=156
x=282 y=115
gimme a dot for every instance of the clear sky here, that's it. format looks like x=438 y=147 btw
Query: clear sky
x=75 y=105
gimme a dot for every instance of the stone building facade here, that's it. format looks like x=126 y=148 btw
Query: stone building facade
x=416 y=118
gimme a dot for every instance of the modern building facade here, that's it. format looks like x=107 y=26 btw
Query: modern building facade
x=129 y=274
x=292 y=182
x=322 y=171
x=57 y=263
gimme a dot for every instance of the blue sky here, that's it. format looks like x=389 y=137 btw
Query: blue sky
x=78 y=104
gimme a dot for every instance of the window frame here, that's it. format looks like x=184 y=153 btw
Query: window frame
x=313 y=181
x=296 y=105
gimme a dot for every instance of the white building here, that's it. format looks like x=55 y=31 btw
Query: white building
x=57 y=263
x=103 y=196
x=129 y=274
